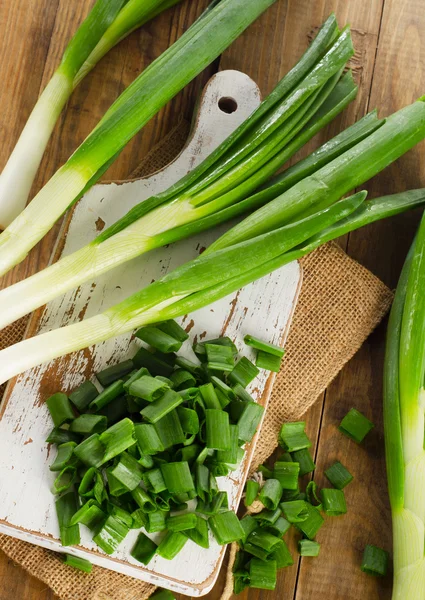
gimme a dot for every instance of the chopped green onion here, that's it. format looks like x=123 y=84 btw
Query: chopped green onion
x=305 y=460
x=60 y=409
x=60 y=436
x=266 y=472
x=143 y=500
x=177 y=477
x=231 y=456
x=243 y=373
x=159 y=339
x=117 y=438
x=127 y=471
x=252 y=490
x=313 y=522
x=92 y=486
x=188 y=365
x=116 y=488
x=110 y=534
x=219 y=358
x=174 y=330
x=375 y=561
x=108 y=395
x=269 y=362
x=312 y=496
x=78 y=563
x=63 y=457
x=134 y=377
x=287 y=474
x=189 y=420
x=281 y=555
x=263 y=575
x=148 y=388
x=154 y=481
x=152 y=363
x=355 y=425
x=114 y=373
x=171 y=545
x=226 y=527
x=90 y=515
x=248 y=524
x=182 y=379
x=148 y=439
x=140 y=518
x=308 y=548
x=83 y=395
x=115 y=411
x=169 y=430
x=264 y=539
x=295 y=511
x=182 y=522
x=201 y=352
x=222 y=387
x=64 y=480
x=218 y=433
x=144 y=549
x=91 y=451
x=160 y=408
x=188 y=453
x=271 y=493
x=209 y=396
x=279 y=527
x=292 y=437
x=242 y=394
x=156 y=522
x=199 y=535
x=333 y=502
x=258 y=344
x=66 y=507
x=339 y=476
x=88 y=424
x=249 y=420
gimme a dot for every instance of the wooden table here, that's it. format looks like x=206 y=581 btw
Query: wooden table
x=389 y=66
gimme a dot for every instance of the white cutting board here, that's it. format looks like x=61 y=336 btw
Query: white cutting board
x=265 y=308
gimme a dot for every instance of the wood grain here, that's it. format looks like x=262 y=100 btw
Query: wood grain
x=390 y=66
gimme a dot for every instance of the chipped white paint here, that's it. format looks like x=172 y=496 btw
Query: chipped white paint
x=26 y=504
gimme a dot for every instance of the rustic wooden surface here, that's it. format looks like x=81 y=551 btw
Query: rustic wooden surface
x=390 y=67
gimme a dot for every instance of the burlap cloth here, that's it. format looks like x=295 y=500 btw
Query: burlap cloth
x=339 y=305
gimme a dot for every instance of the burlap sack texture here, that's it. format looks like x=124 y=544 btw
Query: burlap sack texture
x=340 y=303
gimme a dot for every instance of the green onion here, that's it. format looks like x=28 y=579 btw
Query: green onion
x=311 y=494
x=108 y=395
x=182 y=379
x=201 y=351
x=312 y=523
x=266 y=471
x=222 y=387
x=83 y=395
x=271 y=493
x=159 y=339
x=66 y=507
x=127 y=471
x=148 y=388
x=292 y=436
x=218 y=430
x=60 y=409
x=230 y=457
x=189 y=420
x=91 y=451
x=143 y=500
x=160 y=408
x=63 y=457
x=209 y=396
x=117 y=438
x=269 y=362
x=226 y=527
x=177 y=477
x=295 y=511
x=89 y=515
x=92 y=486
x=110 y=534
x=287 y=474
x=199 y=535
x=61 y=436
x=308 y=548
x=174 y=330
x=116 y=488
x=134 y=376
x=263 y=539
x=88 y=424
x=355 y=425
x=219 y=358
x=152 y=363
x=189 y=366
x=268 y=517
x=263 y=575
x=279 y=527
x=339 y=476
x=375 y=561
x=64 y=480
x=111 y=374
x=282 y=556
x=252 y=489
x=156 y=522
x=171 y=545
x=148 y=439
x=249 y=420
x=333 y=502
x=243 y=373
x=144 y=549
x=154 y=481
x=182 y=522
x=78 y=563
x=169 y=430
x=258 y=344
x=140 y=518
x=305 y=461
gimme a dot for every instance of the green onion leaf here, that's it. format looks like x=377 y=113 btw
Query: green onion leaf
x=339 y=476
x=287 y=474
x=279 y=528
x=148 y=388
x=66 y=507
x=252 y=490
x=263 y=575
x=171 y=545
x=182 y=522
x=159 y=339
x=144 y=549
x=226 y=527
x=64 y=456
x=305 y=461
x=156 y=522
x=134 y=376
x=218 y=433
x=249 y=420
x=333 y=502
x=169 y=430
x=60 y=436
x=269 y=362
x=108 y=395
x=78 y=563
x=154 y=364
x=148 y=439
x=88 y=424
x=219 y=358
x=355 y=425
x=375 y=561
x=258 y=344
x=110 y=534
x=182 y=379
x=199 y=535
x=83 y=395
x=243 y=373
x=158 y=409
x=60 y=409
x=308 y=548
x=64 y=480
x=111 y=374
x=177 y=477
x=127 y=471
x=90 y=515
x=292 y=437
x=271 y=493
x=143 y=500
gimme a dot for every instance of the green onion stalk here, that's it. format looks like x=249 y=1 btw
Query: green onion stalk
x=206 y=39
x=270 y=136
x=211 y=276
x=404 y=423
x=108 y=23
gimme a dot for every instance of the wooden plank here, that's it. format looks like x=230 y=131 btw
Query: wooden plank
x=398 y=80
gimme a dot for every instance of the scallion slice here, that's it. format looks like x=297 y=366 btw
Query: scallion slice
x=271 y=494
x=63 y=457
x=83 y=395
x=243 y=373
x=127 y=471
x=158 y=409
x=226 y=527
x=292 y=436
x=144 y=549
x=199 y=535
x=148 y=388
x=177 y=477
x=312 y=523
x=252 y=490
x=305 y=461
x=279 y=527
x=295 y=511
x=143 y=500
x=182 y=379
x=169 y=430
x=308 y=548
x=66 y=507
x=64 y=480
x=258 y=344
x=218 y=433
x=375 y=561
x=355 y=425
x=182 y=522
x=108 y=395
x=156 y=522
x=90 y=515
x=249 y=420
x=117 y=438
x=110 y=534
x=171 y=545
x=92 y=486
x=134 y=376
x=115 y=372
x=154 y=364
x=159 y=340
x=333 y=502
x=339 y=476
x=81 y=564
x=287 y=474
x=263 y=575
x=60 y=436
x=148 y=439
x=88 y=424
x=91 y=451
x=267 y=361
x=60 y=409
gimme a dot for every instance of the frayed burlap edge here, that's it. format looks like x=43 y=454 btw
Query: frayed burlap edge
x=340 y=303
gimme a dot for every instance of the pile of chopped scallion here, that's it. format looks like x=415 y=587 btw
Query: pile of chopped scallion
x=145 y=452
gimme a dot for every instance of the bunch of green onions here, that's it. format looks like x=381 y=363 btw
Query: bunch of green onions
x=306 y=99
x=162 y=80
x=404 y=422
x=108 y=23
